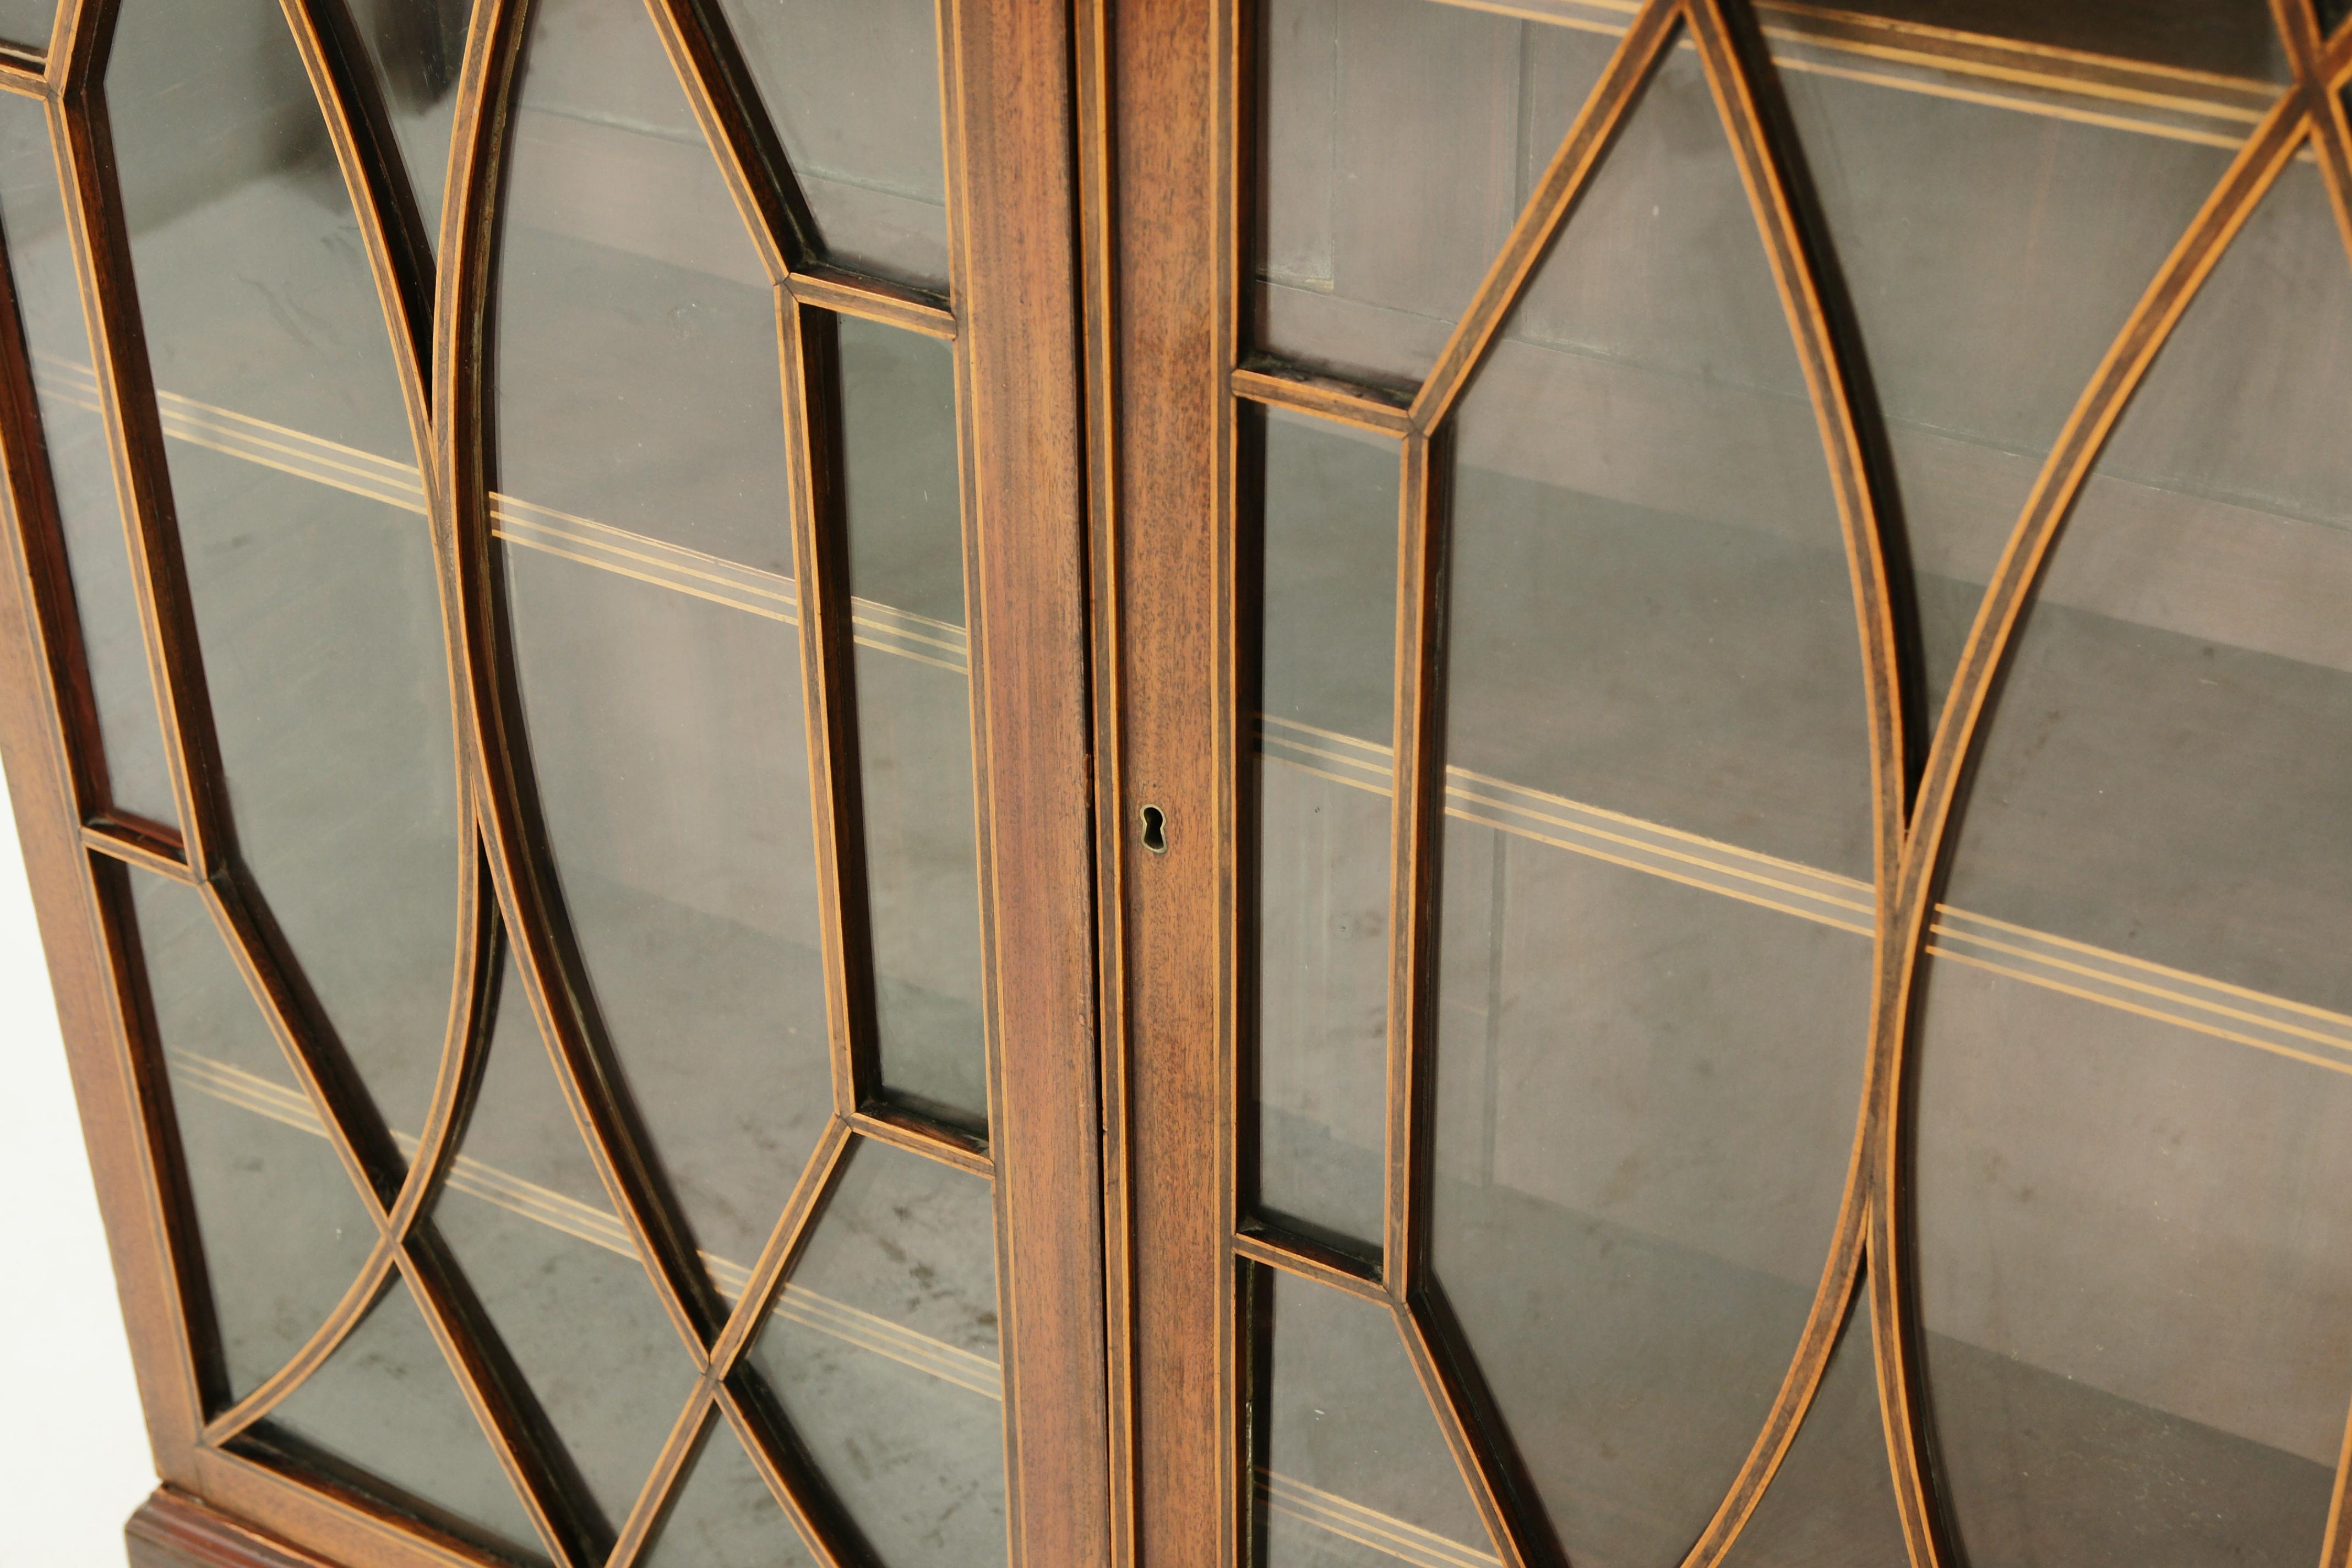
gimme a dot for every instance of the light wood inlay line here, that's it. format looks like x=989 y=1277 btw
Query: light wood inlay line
x=260 y=441
x=601 y=1227
x=795 y=1303
x=2270 y=1023
x=527 y=524
x=1294 y=1499
x=2112 y=92
x=1784 y=885
x=2226 y=1012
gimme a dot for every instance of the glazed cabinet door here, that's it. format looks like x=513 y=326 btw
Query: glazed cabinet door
x=547 y=710
x=1730 y=619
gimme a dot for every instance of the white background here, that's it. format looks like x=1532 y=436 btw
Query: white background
x=73 y=1450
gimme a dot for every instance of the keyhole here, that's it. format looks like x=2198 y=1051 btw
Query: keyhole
x=1155 y=830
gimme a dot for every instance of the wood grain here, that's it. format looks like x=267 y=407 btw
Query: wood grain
x=1170 y=218
x=173 y=1530
x=1012 y=247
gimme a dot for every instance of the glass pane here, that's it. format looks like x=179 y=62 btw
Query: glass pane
x=1655 y=939
x=647 y=544
x=1401 y=139
x=385 y=1416
x=1992 y=245
x=1325 y=774
x=2134 y=1107
x=48 y=301
x=637 y=329
x=725 y=1516
x=902 y=506
x=318 y=603
x=1832 y=1502
x=417 y=47
x=1356 y=1472
x=1652 y=613
x=557 y=1274
x=2174 y=794
x=284 y=1235
x=2231 y=36
x=26 y=22
x=882 y=1351
x=854 y=92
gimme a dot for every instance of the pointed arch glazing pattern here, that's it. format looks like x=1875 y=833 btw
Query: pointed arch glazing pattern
x=1754 y=60
x=403 y=120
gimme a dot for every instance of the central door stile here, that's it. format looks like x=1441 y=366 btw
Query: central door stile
x=1012 y=240
x=1165 y=204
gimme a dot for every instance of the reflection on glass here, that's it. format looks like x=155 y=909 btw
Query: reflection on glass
x=853 y=93
x=385 y=1416
x=2134 y=1105
x=904 y=521
x=26 y=22
x=1325 y=774
x=882 y=1351
x=1353 y=1472
x=647 y=548
x=1655 y=928
x=2235 y=37
x=48 y=301
x=556 y=1272
x=1832 y=1502
x=1399 y=140
x=417 y=47
x=301 y=521
x=725 y=1516
x=1992 y=248
x=284 y=1233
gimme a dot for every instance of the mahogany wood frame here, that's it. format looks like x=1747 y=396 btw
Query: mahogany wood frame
x=1099 y=177
x=1006 y=90
x=1176 y=149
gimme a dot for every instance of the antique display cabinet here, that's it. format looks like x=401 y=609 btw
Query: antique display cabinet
x=1198 y=784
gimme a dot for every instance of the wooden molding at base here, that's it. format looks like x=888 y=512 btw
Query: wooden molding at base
x=173 y=1530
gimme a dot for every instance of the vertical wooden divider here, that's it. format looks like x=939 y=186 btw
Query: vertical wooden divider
x=1171 y=88
x=1015 y=238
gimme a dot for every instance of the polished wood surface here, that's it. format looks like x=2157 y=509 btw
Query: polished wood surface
x=172 y=1529
x=1006 y=88
x=1168 y=293
x=1102 y=179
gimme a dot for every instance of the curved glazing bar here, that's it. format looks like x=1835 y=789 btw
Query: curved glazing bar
x=1991 y=247
x=2135 y=1036
x=385 y=1418
x=300 y=517
x=1832 y=1501
x=525 y=1215
x=1655 y=967
x=73 y=433
x=416 y=47
x=2278 y=128
x=642 y=534
x=882 y=1351
x=282 y=1234
x=725 y=1516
